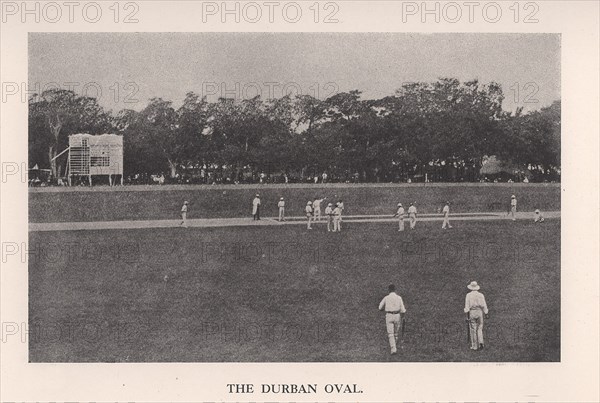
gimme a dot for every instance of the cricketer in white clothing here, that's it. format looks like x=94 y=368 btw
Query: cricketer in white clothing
x=317 y=208
x=256 y=207
x=513 y=207
x=329 y=214
x=446 y=212
x=400 y=215
x=476 y=309
x=412 y=215
x=309 y=214
x=394 y=314
x=281 y=206
x=337 y=219
x=184 y=210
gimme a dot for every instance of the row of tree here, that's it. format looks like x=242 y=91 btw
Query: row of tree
x=446 y=124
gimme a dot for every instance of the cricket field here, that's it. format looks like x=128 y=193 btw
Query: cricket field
x=283 y=293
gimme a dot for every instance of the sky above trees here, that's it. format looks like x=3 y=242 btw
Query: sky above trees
x=126 y=70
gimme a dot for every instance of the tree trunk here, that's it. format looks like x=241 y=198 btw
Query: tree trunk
x=55 y=130
x=172 y=168
x=51 y=155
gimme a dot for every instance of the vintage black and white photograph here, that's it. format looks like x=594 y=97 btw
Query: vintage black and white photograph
x=294 y=197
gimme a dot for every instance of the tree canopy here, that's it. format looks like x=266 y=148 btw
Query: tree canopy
x=444 y=128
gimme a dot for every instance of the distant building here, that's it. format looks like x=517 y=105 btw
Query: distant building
x=91 y=155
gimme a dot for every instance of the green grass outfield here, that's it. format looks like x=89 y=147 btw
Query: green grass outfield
x=282 y=293
x=164 y=202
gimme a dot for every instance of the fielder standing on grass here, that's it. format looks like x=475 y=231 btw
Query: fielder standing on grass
x=337 y=218
x=446 y=212
x=256 y=207
x=394 y=309
x=184 y=210
x=329 y=214
x=513 y=207
x=400 y=215
x=281 y=206
x=412 y=215
x=475 y=309
x=317 y=208
x=309 y=214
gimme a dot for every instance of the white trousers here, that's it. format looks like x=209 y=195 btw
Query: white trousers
x=392 y=324
x=337 y=224
x=413 y=221
x=446 y=222
x=183 y=218
x=476 y=328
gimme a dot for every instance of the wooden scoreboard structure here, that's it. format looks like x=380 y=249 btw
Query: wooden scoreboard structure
x=94 y=155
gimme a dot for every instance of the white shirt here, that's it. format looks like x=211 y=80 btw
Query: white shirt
x=328 y=210
x=474 y=300
x=446 y=210
x=412 y=210
x=400 y=211
x=392 y=303
x=309 y=210
x=281 y=204
x=255 y=204
x=341 y=206
x=337 y=212
x=513 y=202
x=317 y=204
x=184 y=208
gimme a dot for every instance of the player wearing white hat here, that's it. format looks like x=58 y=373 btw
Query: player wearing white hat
x=281 y=206
x=309 y=214
x=184 y=210
x=400 y=215
x=475 y=309
x=329 y=214
x=513 y=207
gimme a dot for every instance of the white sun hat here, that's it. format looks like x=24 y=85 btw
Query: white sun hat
x=473 y=286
